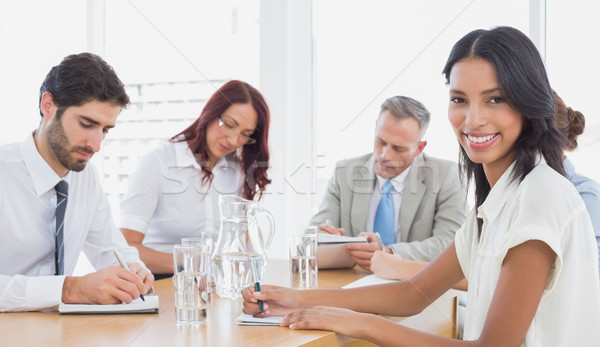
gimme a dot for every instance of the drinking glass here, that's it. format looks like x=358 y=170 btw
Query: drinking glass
x=205 y=240
x=190 y=282
x=303 y=258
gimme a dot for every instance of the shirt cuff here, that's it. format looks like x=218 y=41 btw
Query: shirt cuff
x=392 y=250
x=44 y=291
x=396 y=248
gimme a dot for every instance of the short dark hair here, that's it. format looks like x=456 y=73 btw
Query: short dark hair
x=81 y=78
x=522 y=77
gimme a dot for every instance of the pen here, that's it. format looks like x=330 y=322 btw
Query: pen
x=260 y=302
x=124 y=266
x=379 y=242
x=257 y=284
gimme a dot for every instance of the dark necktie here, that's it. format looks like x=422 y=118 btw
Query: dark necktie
x=62 y=192
x=384 y=216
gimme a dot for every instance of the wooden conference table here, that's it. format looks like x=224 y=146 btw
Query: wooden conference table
x=51 y=329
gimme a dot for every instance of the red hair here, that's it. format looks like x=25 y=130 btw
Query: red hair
x=254 y=157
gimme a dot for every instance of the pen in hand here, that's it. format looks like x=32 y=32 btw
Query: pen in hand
x=257 y=285
x=260 y=302
x=124 y=266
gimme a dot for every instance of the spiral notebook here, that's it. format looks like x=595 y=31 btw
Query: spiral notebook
x=136 y=306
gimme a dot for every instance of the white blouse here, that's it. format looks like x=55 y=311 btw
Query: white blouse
x=167 y=200
x=545 y=206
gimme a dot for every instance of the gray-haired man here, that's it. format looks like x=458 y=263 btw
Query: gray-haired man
x=422 y=202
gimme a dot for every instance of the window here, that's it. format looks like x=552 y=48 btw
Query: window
x=384 y=48
x=324 y=67
x=171 y=56
x=572 y=60
x=31 y=42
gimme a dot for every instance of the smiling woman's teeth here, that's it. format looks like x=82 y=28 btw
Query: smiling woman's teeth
x=480 y=139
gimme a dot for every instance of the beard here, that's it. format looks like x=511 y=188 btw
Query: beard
x=59 y=143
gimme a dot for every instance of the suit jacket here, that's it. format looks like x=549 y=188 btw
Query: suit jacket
x=433 y=204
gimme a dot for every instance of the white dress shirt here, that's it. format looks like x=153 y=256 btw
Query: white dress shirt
x=545 y=206
x=28 y=227
x=398 y=184
x=167 y=200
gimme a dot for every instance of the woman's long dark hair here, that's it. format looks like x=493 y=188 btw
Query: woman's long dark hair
x=254 y=157
x=522 y=77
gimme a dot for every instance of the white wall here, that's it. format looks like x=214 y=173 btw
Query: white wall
x=324 y=67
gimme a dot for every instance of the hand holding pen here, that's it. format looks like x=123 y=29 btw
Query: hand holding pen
x=278 y=301
x=260 y=302
x=257 y=285
x=124 y=266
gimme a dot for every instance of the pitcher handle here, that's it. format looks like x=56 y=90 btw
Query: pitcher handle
x=269 y=238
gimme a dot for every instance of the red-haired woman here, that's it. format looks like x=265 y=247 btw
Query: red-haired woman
x=174 y=192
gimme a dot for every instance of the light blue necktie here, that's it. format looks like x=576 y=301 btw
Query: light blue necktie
x=384 y=217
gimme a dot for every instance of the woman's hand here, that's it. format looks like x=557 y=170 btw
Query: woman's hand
x=277 y=301
x=340 y=320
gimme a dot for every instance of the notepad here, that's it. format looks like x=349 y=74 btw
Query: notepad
x=136 y=306
x=246 y=319
x=331 y=253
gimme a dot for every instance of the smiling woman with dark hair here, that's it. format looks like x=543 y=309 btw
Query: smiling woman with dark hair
x=174 y=192
x=525 y=248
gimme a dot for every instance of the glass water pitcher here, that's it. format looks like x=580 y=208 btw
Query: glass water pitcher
x=240 y=258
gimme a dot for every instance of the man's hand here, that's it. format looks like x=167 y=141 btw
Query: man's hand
x=326 y=228
x=144 y=274
x=112 y=285
x=363 y=252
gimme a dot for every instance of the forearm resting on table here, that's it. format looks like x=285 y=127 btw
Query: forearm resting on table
x=378 y=299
